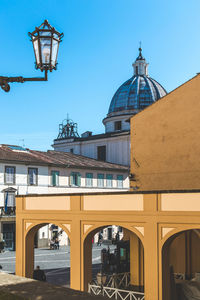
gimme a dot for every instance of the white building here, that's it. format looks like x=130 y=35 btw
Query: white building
x=113 y=146
x=24 y=171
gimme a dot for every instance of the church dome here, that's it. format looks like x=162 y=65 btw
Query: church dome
x=136 y=93
x=132 y=96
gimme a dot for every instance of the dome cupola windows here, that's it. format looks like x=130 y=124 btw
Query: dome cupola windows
x=118 y=125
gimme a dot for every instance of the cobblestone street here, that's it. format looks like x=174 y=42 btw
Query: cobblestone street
x=55 y=263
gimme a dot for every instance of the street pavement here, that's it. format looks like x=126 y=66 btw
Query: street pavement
x=55 y=263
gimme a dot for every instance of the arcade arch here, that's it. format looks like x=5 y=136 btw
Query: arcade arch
x=30 y=261
x=180 y=261
x=153 y=217
x=135 y=257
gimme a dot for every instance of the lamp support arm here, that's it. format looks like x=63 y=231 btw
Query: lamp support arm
x=4 y=80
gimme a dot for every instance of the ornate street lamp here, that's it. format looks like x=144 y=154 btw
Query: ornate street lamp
x=45 y=41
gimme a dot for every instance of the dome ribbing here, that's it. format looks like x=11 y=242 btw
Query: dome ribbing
x=138 y=92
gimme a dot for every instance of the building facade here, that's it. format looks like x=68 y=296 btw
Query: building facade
x=24 y=171
x=132 y=96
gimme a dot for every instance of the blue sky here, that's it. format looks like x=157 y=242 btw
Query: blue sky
x=101 y=39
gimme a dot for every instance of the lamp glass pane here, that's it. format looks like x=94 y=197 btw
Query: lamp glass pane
x=45 y=44
x=36 y=49
x=54 y=52
x=45 y=33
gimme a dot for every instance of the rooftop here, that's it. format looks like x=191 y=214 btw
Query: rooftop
x=9 y=154
x=96 y=136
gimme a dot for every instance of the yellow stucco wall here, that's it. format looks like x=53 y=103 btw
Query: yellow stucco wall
x=186 y=261
x=165 y=143
x=151 y=224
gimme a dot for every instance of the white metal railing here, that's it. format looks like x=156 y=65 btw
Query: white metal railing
x=114 y=293
x=119 y=280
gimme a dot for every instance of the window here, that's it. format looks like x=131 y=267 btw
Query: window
x=89 y=180
x=118 y=125
x=101 y=153
x=100 y=180
x=120 y=181
x=75 y=179
x=32 y=176
x=109 y=180
x=9 y=203
x=54 y=178
x=9 y=199
x=9 y=175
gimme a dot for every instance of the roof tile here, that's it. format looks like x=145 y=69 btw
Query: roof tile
x=56 y=158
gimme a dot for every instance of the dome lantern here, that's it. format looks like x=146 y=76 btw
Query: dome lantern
x=140 y=66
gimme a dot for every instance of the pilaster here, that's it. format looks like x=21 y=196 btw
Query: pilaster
x=151 y=261
x=75 y=255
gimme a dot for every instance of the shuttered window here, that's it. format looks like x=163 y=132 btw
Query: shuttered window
x=120 y=181
x=89 y=180
x=100 y=180
x=75 y=179
x=109 y=180
x=9 y=175
x=9 y=199
x=32 y=176
x=54 y=178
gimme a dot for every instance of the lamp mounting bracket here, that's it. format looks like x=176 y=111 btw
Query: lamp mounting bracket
x=5 y=80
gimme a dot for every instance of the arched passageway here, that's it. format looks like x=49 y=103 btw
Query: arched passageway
x=153 y=217
x=181 y=265
x=119 y=253
x=52 y=255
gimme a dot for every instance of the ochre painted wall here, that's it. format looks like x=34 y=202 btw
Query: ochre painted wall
x=165 y=143
x=152 y=224
x=177 y=254
x=184 y=253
